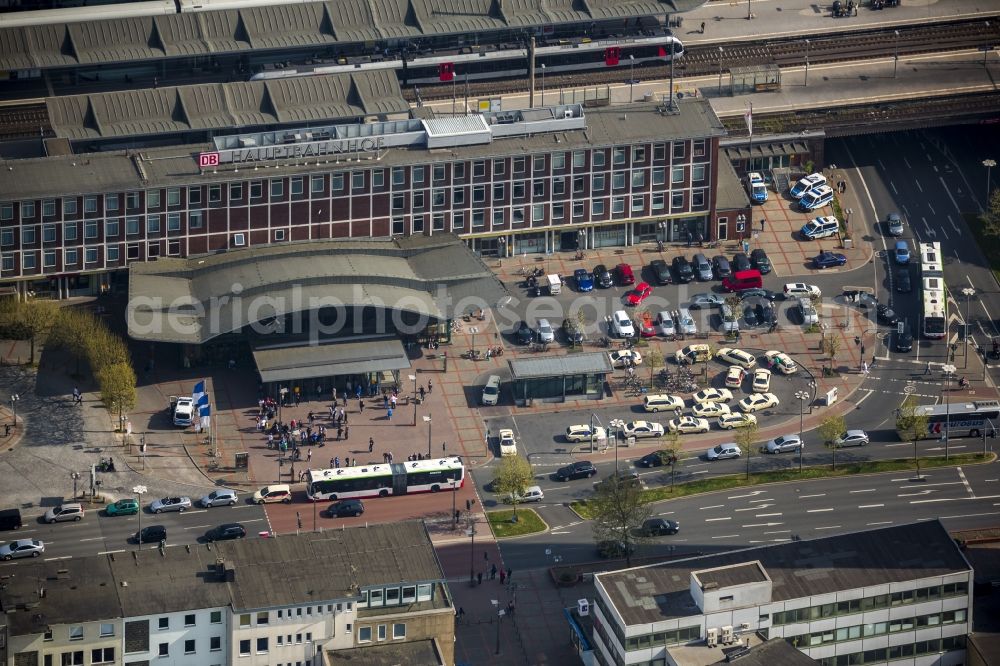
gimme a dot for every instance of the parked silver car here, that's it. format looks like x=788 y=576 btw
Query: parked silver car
x=222 y=497
x=64 y=512
x=164 y=504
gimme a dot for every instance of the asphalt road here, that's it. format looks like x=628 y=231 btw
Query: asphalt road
x=97 y=533
x=963 y=498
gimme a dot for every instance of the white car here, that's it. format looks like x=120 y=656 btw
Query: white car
x=736 y=357
x=757 y=402
x=713 y=395
x=710 y=409
x=621 y=325
x=735 y=376
x=581 y=433
x=736 y=420
x=781 y=362
x=761 y=380
x=783 y=444
x=723 y=451
x=664 y=402
x=508 y=445
x=545 y=332
x=623 y=358
x=665 y=321
x=688 y=424
x=810 y=182
x=801 y=289
x=640 y=429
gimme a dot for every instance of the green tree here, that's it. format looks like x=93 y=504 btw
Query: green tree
x=831 y=347
x=619 y=511
x=830 y=429
x=672 y=447
x=35 y=317
x=511 y=479
x=73 y=331
x=655 y=360
x=117 y=384
x=746 y=437
x=990 y=218
x=912 y=425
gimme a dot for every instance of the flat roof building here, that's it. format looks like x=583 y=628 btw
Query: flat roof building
x=511 y=182
x=900 y=592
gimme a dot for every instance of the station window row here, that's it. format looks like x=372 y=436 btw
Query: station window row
x=871 y=603
x=868 y=630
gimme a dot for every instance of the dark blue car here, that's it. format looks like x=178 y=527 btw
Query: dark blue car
x=584 y=280
x=829 y=260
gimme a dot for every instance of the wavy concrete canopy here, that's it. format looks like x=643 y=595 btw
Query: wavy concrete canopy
x=196 y=299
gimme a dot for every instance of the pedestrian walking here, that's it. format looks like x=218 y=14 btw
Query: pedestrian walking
x=77 y=398
x=354 y=462
x=872 y=364
x=762 y=222
x=392 y=402
x=388 y=414
x=421 y=393
x=309 y=455
x=371 y=444
x=479 y=577
x=703 y=27
x=430 y=386
x=340 y=432
x=336 y=462
x=510 y=576
x=460 y=613
x=864 y=367
x=344 y=418
x=361 y=405
x=347 y=433
x=927 y=368
x=333 y=413
x=385 y=456
x=493 y=572
x=503 y=576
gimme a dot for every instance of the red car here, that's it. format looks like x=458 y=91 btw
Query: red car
x=647 y=328
x=625 y=275
x=639 y=294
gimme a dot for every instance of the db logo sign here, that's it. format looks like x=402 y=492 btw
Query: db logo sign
x=208 y=159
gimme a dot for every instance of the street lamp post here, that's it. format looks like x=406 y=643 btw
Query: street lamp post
x=968 y=292
x=631 y=76
x=614 y=426
x=989 y=164
x=543 y=84
x=808 y=45
x=472 y=550
x=721 y=51
x=75 y=476
x=895 y=57
x=847 y=220
x=427 y=420
x=949 y=371
x=139 y=492
x=499 y=618
x=413 y=378
x=803 y=396
x=14 y=399
x=454 y=509
x=593 y=417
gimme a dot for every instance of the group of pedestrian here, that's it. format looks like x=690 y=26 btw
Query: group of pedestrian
x=387 y=457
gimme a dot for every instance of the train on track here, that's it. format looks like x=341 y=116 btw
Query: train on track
x=483 y=64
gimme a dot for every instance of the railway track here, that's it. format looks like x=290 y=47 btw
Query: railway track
x=26 y=121
x=708 y=60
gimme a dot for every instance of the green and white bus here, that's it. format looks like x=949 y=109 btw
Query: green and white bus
x=384 y=479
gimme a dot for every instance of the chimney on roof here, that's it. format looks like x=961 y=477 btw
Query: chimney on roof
x=225 y=573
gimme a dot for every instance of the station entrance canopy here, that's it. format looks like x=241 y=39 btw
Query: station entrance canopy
x=193 y=300
x=291 y=362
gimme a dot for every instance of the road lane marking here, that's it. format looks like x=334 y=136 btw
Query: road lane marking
x=867 y=395
x=966 y=515
x=953 y=499
x=866 y=490
x=881 y=522
x=916 y=494
x=830 y=527
x=870 y=506
x=726 y=536
x=818 y=510
x=90 y=539
x=109 y=552
x=197 y=527
x=714 y=506
x=778 y=532
x=763 y=525
x=560 y=532
x=763 y=499
x=807 y=496
x=942 y=483
x=968 y=487
x=753 y=493
x=54 y=559
x=712 y=520
x=766 y=515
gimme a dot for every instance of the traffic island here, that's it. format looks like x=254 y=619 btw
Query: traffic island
x=504 y=526
x=584 y=508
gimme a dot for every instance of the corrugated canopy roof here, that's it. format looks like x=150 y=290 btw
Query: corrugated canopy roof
x=279 y=364
x=303 y=24
x=560 y=366
x=223 y=105
x=192 y=300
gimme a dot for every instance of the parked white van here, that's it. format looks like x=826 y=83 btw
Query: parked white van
x=491 y=392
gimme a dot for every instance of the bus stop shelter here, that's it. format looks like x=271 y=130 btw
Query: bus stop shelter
x=560 y=378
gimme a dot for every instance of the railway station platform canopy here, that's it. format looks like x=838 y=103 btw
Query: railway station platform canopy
x=218 y=107
x=196 y=33
x=559 y=378
x=193 y=300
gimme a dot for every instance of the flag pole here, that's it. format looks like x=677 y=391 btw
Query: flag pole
x=749 y=119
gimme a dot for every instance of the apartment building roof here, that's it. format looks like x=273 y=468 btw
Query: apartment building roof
x=797 y=569
x=245 y=574
x=412 y=652
x=114 y=171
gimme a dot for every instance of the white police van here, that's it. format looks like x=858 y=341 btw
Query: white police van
x=816 y=198
x=808 y=183
x=820 y=227
x=757 y=187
